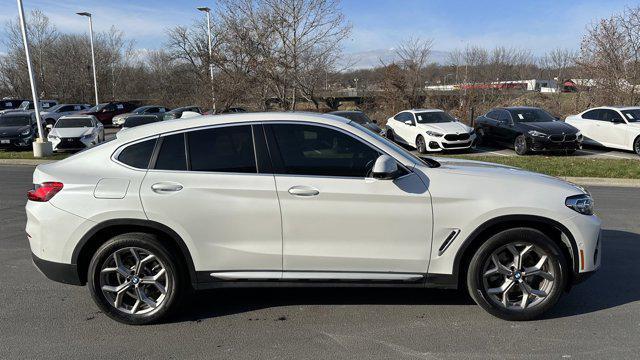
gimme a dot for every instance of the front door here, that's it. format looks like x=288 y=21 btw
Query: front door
x=336 y=219
x=217 y=198
x=612 y=129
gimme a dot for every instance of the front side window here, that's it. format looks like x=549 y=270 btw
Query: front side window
x=138 y=155
x=433 y=117
x=610 y=115
x=317 y=150
x=224 y=149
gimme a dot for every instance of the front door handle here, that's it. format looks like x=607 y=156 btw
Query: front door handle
x=166 y=187
x=303 y=191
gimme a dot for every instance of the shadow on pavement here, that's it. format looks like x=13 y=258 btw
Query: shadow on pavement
x=613 y=285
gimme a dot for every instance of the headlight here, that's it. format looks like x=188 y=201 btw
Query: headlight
x=26 y=132
x=53 y=137
x=87 y=137
x=537 y=133
x=578 y=135
x=472 y=132
x=580 y=203
x=433 y=133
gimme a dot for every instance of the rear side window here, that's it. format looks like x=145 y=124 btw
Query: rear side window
x=225 y=149
x=138 y=155
x=592 y=115
x=172 y=155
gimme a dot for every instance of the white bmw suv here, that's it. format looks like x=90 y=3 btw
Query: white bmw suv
x=429 y=130
x=290 y=199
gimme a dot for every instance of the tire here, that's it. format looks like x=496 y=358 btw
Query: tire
x=479 y=138
x=136 y=300
x=390 y=135
x=485 y=278
x=421 y=145
x=636 y=145
x=570 y=152
x=520 y=145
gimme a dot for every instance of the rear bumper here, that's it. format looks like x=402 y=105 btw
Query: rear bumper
x=64 y=273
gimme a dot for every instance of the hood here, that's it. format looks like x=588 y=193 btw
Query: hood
x=71 y=132
x=549 y=127
x=480 y=169
x=446 y=127
x=12 y=131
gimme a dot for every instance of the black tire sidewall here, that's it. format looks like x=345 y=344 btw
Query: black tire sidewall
x=526 y=146
x=636 y=145
x=421 y=149
x=557 y=260
x=147 y=242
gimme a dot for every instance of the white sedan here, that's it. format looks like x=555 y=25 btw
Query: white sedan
x=429 y=130
x=614 y=127
x=76 y=132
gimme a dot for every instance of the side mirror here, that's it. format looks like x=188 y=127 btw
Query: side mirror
x=408 y=122
x=384 y=168
x=617 y=120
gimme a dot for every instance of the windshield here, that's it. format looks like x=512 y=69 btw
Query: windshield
x=632 y=115
x=402 y=151
x=137 y=121
x=97 y=108
x=140 y=110
x=433 y=117
x=359 y=117
x=54 y=108
x=73 y=123
x=530 y=115
x=15 y=120
x=26 y=105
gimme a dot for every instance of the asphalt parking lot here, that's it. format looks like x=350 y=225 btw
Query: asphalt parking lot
x=600 y=318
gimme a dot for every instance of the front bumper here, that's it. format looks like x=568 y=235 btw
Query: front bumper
x=442 y=143
x=546 y=144
x=71 y=144
x=64 y=273
x=16 y=142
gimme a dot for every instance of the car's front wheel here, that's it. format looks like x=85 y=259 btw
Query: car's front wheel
x=134 y=279
x=520 y=145
x=636 y=145
x=518 y=274
x=421 y=145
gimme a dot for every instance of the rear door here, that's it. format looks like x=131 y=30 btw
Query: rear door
x=587 y=124
x=339 y=223
x=208 y=186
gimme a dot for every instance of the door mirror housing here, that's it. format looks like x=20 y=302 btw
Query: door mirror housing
x=617 y=120
x=385 y=168
x=408 y=122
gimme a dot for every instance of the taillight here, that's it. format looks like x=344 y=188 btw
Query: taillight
x=45 y=191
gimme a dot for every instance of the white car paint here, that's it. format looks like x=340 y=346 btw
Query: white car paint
x=89 y=136
x=252 y=222
x=408 y=132
x=621 y=135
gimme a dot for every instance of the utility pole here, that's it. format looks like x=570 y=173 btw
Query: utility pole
x=41 y=147
x=213 y=95
x=93 y=56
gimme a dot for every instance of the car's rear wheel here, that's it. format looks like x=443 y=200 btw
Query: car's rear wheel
x=520 y=145
x=134 y=279
x=518 y=274
x=636 y=145
x=421 y=145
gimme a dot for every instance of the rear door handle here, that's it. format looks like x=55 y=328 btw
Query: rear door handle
x=303 y=191
x=165 y=187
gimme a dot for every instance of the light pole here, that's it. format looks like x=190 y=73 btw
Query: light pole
x=93 y=56
x=41 y=147
x=213 y=95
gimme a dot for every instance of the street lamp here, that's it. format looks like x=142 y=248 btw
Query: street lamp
x=41 y=147
x=93 y=56
x=213 y=95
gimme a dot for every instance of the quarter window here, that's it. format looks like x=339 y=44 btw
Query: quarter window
x=592 y=115
x=316 y=150
x=172 y=155
x=224 y=149
x=138 y=155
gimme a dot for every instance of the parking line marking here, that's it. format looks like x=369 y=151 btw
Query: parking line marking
x=604 y=154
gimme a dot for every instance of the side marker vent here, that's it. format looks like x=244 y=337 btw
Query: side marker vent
x=447 y=242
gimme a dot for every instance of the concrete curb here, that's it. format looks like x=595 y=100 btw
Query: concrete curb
x=30 y=162
x=587 y=181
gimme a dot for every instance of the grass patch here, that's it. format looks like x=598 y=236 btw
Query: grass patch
x=566 y=165
x=28 y=155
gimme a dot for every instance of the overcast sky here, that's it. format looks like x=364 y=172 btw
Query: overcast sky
x=378 y=25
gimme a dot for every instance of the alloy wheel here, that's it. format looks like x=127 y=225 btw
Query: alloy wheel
x=520 y=145
x=134 y=281
x=518 y=276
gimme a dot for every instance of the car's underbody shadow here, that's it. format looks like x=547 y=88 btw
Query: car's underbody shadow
x=613 y=285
